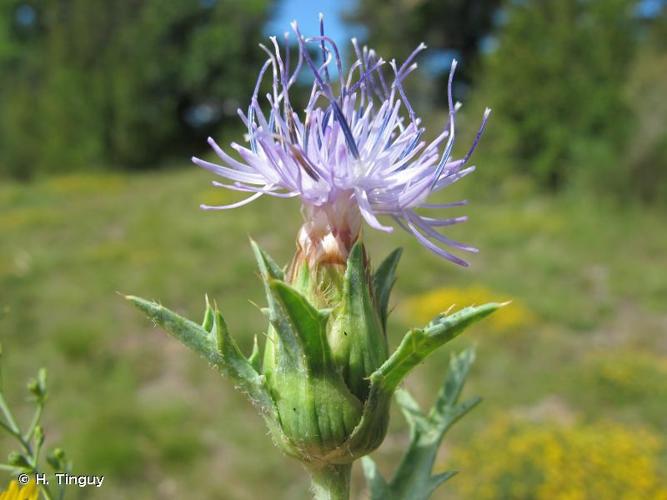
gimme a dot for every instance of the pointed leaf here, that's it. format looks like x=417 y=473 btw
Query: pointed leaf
x=419 y=343
x=289 y=345
x=460 y=410
x=372 y=428
x=267 y=266
x=254 y=358
x=189 y=333
x=379 y=489
x=408 y=403
x=459 y=366
x=207 y=323
x=383 y=281
x=221 y=352
x=358 y=340
x=411 y=410
x=412 y=479
x=304 y=322
x=438 y=479
x=235 y=363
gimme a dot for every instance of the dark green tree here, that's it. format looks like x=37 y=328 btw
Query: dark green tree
x=396 y=27
x=128 y=82
x=557 y=83
x=645 y=158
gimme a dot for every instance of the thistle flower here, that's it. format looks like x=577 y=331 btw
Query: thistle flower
x=326 y=377
x=356 y=153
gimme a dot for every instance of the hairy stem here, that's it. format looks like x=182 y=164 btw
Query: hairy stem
x=331 y=482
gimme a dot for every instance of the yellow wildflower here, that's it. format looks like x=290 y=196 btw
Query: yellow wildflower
x=545 y=461
x=16 y=492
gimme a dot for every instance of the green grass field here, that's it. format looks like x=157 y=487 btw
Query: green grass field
x=580 y=353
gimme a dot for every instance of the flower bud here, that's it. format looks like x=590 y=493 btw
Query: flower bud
x=39 y=435
x=325 y=340
x=325 y=383
x=37 y=386
x=18 y=460
x=57 y=459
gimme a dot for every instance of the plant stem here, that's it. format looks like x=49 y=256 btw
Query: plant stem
x=8 y=415
x=35 y=420
x=331 y=482
x=10 y=425
x=46 y=492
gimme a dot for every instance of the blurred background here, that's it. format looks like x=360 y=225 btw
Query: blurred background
x=103 y=103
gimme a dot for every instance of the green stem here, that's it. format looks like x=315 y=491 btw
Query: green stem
x=35 y=420
x=10 y=425
x=8 y=415
x=331 y=482
x=46 y=492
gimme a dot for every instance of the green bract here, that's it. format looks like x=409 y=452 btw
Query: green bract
x=326 y=379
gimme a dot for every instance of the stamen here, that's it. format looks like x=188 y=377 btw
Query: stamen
x=339 y=63
x=421 y=47
x=478 y=136
x=404 y=98
x=324 y=49
x=450 y=141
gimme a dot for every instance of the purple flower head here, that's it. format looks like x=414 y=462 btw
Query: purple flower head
x=356 y=152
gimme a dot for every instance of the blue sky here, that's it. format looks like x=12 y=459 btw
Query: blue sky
x=306 y=13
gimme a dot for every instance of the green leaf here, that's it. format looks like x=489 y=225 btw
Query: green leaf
x=187 y=332
x=376 y=483
x=357 y=337
x=254 y=358
x=37 y=386
x=415 y=347
x=296 y=318
x=413 y=479
x=207 y=322
x=419 y=343
x=289 y=345
x=438 y=479
x=219 y=349
x=451 y=388
x=267 y=266
x=411 y=411
x=383 y=281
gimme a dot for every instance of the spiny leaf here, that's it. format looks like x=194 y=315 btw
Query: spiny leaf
x=449 y=393
x=304 y=322
x=289 y=345
x=371 y=429
x=383 y=281
x=358 y=339
x=207 y=322
x=413 y=479
x=453 y=415
x=254 y=358
x=235 y=363
x=438 y=479
x=411 y=410
x=376 y=483
x=189 y=333
x=419 y=343
x=219 y=350
x=267 y=265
